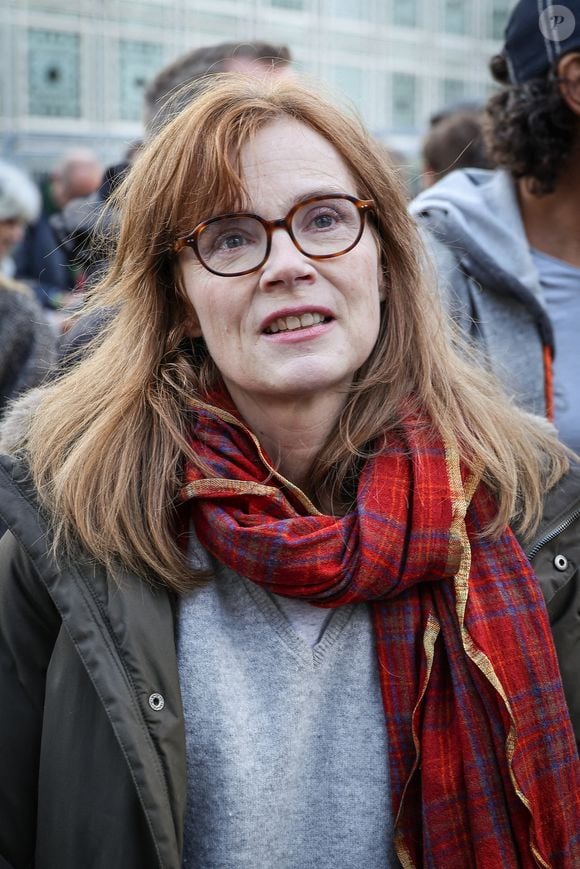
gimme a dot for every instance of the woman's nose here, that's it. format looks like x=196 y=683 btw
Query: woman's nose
x=286 y=265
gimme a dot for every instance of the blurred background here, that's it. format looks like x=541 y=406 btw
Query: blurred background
x=73 y=72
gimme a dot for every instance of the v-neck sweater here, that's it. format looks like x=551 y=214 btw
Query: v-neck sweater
x=285 y=734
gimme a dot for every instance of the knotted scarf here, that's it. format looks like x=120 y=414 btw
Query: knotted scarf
x=483 y=765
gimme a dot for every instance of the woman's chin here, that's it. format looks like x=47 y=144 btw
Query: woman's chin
x=280 y=390
x=311 y=375
x=310 y=385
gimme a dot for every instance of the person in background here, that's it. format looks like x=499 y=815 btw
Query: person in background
x=506 y=242
x=42 y=264
x=270 y=611
x=454 y=141
x=79 y=174
x=82 y=226
x=41 y=260
x=27 y=343
x=19 y=206
x=175 y=85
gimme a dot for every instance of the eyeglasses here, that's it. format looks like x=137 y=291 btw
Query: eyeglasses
x=236 y=244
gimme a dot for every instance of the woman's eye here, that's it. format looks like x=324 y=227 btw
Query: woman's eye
x=323 y=220
x=230 y=242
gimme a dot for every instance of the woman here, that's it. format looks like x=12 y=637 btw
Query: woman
x=282 y=619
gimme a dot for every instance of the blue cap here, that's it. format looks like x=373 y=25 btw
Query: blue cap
x=538 y=33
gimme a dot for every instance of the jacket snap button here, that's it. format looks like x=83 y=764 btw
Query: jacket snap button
x=156 y=702
x=560 y=562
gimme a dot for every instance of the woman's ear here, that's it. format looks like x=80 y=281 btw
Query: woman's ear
x=191 y=327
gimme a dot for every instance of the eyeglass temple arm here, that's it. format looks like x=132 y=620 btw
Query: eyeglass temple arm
x=178 y=245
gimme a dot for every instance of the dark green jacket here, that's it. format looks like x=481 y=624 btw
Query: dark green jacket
x=92 y=756
x=92 y=762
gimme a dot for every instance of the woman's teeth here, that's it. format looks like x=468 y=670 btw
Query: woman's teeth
x=288 y=324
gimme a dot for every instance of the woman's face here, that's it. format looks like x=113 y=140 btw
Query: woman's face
x=288 y=162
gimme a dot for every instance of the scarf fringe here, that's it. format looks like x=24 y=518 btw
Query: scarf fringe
x=461 y=499
x=432 y=631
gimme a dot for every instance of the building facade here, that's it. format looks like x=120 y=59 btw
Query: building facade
x=73 y=71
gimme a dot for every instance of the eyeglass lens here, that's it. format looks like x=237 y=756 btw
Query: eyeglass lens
x=321 y=228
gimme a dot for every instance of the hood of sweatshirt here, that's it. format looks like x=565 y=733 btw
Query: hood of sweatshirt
x=478 y=210
x=475 y=214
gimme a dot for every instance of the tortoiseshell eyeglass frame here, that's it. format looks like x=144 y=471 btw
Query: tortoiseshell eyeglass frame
x=364 y=207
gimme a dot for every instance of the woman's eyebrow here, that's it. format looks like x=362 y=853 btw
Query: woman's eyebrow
x=321 y=191
x=310 y=194
x=302 y=197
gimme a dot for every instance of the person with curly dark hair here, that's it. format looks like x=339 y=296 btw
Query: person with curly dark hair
x=507 y=242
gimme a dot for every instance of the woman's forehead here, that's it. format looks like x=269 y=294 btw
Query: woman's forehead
x=287 y=160
x=288 y=145
x=282 y=162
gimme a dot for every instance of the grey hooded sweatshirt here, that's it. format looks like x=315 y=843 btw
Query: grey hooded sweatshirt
x=488 y=278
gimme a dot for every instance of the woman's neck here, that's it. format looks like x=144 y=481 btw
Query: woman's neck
x=291 y=430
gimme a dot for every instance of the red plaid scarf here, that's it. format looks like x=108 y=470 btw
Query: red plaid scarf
x=483 y=765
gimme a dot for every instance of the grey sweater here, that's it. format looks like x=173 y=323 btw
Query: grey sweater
x=286 y=741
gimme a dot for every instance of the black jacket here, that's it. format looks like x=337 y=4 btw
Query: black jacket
x=92 y=756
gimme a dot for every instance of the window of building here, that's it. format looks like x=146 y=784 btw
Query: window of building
x=54 y=74
x=348 y=9
x=218 y=24
x=64 y=7
x=453 y=91
x=404 y=101
x=350 y=81
x=138 y=63
x=498 y=19
x=288 y=4
x=455 y=16
x=405 y=13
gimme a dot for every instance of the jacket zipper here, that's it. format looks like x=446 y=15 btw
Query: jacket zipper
x=554 y=532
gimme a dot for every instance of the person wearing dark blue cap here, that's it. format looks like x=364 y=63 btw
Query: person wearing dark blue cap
x=507 y=241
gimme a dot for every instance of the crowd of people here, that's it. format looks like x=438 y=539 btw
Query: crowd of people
x=289 y=492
